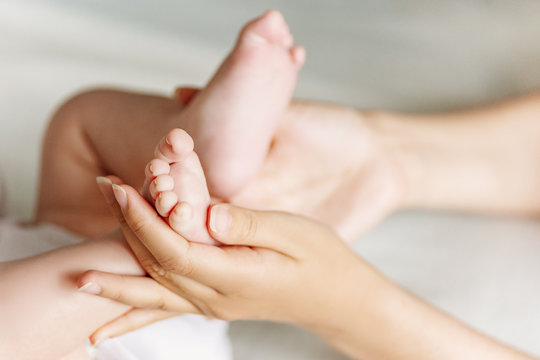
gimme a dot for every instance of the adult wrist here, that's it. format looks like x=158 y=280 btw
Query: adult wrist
x=402 y=141
x=380 y=320
x=356 y=326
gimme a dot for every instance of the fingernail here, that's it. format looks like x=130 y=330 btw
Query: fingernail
x=120 y=195
x=220 y=219
x=103 y=180
x=104 y=186
x=91 y=288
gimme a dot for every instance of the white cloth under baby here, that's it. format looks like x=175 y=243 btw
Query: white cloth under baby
x=20 y=241
x=188 y=337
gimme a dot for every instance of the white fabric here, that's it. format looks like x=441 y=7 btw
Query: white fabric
x=482 y=270
x=20 y=241
x=190 y=337
x=185 y=337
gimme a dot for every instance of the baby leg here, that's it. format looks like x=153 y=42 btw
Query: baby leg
x=97 y=133
x=233 y=119
x=43 y=315
x=110 y=132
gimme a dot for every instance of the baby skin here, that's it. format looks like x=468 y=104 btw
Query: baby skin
x=255 y=85
x=232 y=122
x=234 y=118
x=177 y=186
x=238 y=110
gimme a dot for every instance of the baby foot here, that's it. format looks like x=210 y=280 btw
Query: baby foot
x=234 y=118
x=175 y=183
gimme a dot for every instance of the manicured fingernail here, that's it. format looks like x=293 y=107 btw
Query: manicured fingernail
x=103 y=180
x=104 y=186
x=91 y=288
x=120 y=195
x=220 y=219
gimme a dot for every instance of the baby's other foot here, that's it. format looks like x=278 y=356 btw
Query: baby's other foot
x=175 y=183
x=234 y=118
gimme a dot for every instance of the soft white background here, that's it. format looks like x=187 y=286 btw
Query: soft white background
x=418 y=55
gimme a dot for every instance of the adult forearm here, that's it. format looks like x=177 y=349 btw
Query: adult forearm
x=43 y=314
x=382 y=321
x=483 y=159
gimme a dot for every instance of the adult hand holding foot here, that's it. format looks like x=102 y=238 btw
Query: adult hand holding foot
x=329 y=162
x=349 y=168
x=281 y=267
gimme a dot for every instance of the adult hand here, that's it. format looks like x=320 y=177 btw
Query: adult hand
x=328 y=162
x=282 y=267
x=272 y=266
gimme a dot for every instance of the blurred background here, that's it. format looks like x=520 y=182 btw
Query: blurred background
x=417 y=55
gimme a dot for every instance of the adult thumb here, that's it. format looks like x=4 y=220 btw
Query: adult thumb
x=272 y=230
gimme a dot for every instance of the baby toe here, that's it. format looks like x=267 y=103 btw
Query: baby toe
x=165 y=202
x=298 y=54
x=180 y=216
x=155 y=168
x=269 y=27
x=160 y=184
x=288 y=40
x=175 y=146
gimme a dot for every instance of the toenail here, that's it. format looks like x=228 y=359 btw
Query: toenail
x=254 y=38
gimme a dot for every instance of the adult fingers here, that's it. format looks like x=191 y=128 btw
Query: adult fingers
x=183 y=267
x=105 y=185
x=175 y=255
x=277 y=231
x=132 y=320
x=185 y=94
x=165 y=244
x=173 y=293
x=136 y=291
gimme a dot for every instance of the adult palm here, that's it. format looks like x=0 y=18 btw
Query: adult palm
x=327 y=162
